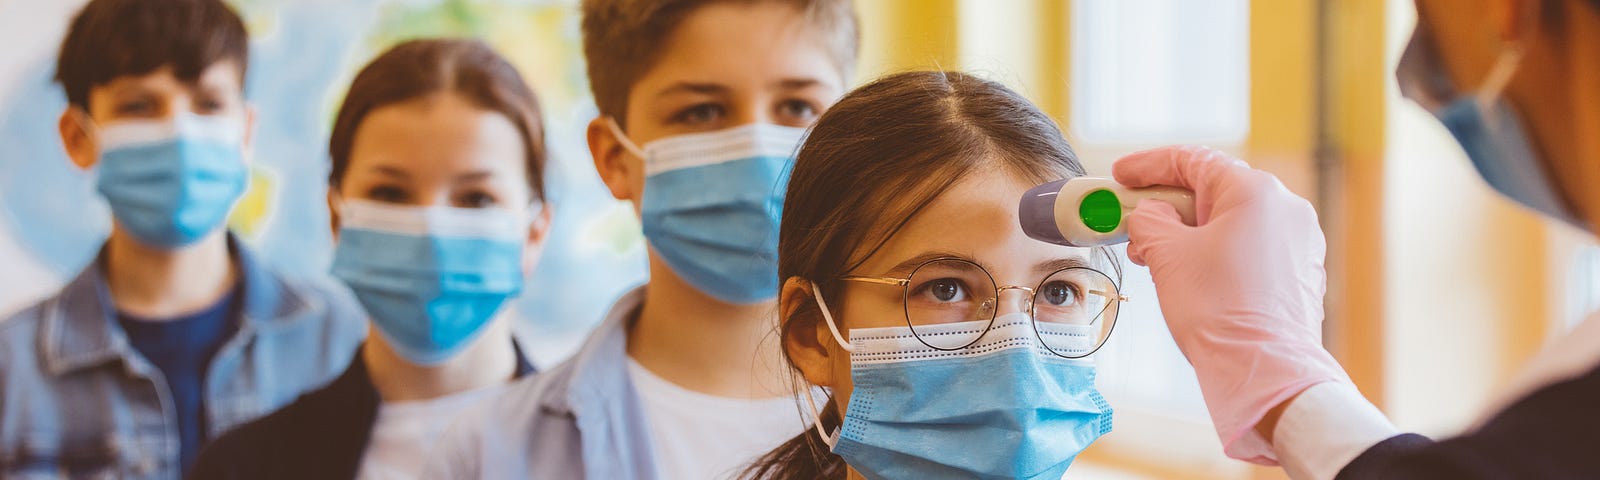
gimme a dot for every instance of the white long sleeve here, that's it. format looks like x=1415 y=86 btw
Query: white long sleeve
x=1325 y=428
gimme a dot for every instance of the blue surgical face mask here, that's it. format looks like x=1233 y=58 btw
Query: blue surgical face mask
x=1494 y=140
x=431 y=278
x=1485 y=125
x=172 y=182
x=711 y=206
x=1004 y=407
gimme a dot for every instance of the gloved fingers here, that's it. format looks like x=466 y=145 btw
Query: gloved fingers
x=1199 y=169
x=1151 y=225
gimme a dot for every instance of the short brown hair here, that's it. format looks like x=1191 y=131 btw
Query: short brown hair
x=622 y=39
x=115 y=38
x=419 y=68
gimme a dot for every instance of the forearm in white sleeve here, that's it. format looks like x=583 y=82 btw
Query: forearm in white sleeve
x=1325 y=428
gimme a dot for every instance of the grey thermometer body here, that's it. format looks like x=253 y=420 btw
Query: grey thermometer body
x=1090 y=211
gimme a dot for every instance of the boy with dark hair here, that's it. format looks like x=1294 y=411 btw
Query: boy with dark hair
x=175 y=332
x=702 y=107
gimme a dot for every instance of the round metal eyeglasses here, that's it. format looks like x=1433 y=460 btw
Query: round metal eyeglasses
x=1073 y=309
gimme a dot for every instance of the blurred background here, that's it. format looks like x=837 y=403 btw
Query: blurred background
x=1424 y=260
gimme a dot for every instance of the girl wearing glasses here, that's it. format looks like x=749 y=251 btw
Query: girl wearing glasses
x=952 y=345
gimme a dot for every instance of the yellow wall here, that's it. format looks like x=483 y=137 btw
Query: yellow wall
x=1352 y=207
x=907 y=34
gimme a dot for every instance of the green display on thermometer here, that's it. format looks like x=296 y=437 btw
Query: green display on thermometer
x=1088 y=211
x=1101 y=211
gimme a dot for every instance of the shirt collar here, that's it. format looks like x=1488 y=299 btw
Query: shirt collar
x=79 y=328
x=76 y=329
x=524 y=367
x=600 y=369
x=354 y=386
x=268 y=299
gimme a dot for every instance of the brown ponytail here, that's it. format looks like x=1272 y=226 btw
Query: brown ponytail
x=804 y=456
x=870 y=164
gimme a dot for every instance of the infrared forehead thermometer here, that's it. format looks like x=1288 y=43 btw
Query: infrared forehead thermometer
x=1089 y=211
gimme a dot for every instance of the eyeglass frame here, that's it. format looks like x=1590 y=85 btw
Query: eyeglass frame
x=905 y=301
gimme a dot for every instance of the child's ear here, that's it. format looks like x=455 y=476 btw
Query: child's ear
x=333 y=212
x=249 y=126
x=805 y=338
x=611 y=160
x=538 y=231
x=79 y=142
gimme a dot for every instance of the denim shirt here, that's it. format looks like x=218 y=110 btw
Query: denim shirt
x=77 y=401
x=579 y=420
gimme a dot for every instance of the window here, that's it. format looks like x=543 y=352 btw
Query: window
x=1160 y=71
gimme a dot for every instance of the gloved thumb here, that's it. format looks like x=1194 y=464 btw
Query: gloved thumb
x=1152 y=227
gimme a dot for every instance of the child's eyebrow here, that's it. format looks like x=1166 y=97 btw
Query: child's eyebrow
x=798 y=83
x=693 y=87
x=391 y=171
x=211 y=90
x=212 y=85
x=905 y=267
x=1061 y=264
x=129 y=88
x=474 y=176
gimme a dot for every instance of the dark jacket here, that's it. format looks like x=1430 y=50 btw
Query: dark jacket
x=1553 y=433
x=322 y=435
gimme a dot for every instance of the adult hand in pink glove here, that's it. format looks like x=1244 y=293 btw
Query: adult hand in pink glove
x=1241 y=291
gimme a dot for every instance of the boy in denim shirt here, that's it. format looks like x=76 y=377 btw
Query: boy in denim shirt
x=175 y=332
x=703 y=104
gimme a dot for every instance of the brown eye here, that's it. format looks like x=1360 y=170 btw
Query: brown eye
x=387 y=194
x=1059 y=294
x=136 y=108
x=476 y=200
x=943 y=290
x=208 y=107
x=797 y=112
x=701 y=114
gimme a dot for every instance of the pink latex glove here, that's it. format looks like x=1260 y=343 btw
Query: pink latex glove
x=1241 y=292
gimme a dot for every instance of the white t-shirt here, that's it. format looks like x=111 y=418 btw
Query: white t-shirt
x=705 y=437
x=405 y=432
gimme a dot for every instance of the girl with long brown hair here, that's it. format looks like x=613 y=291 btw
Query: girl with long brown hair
x=953 y=345
x=437 y=195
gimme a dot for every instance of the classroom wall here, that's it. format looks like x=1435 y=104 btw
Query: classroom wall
x=1426 y=263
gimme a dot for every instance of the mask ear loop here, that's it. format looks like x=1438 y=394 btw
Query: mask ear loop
x=816 y=415
x=531 y=212
x=1496 y=82
x=87 y=124
x=816 y=421
x=339 y=205
x=1500 y=75
x=622 y=138
x=817 y=292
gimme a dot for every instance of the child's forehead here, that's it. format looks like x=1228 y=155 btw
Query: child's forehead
x=220 y=77
x=976 y=216
x=441 y=126
x=727 y=43
x=984 y=200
